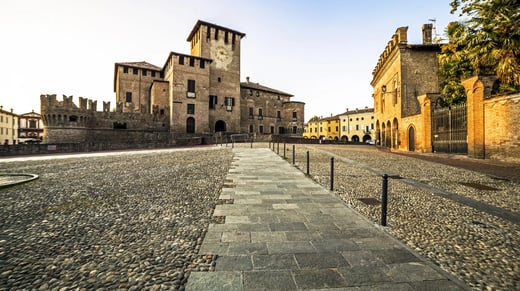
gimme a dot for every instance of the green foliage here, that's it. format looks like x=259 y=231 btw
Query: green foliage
x=314 y=119
x=488 y=42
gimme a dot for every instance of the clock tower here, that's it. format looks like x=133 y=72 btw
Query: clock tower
x=222 y=46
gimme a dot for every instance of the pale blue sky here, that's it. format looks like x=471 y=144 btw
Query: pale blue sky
x=323 y=52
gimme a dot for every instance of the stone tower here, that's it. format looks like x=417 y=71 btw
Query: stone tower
x=222 y=46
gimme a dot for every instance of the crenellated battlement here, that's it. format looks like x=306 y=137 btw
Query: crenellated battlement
x=400 y=37
x=64 y=121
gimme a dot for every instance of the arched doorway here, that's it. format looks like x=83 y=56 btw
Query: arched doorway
x=411 y=139
x=220 y=125
x=355 y=138
x=190 y=125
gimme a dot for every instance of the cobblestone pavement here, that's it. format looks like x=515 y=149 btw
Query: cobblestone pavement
x=128 y=220
x=285 y=232
x=479 y=247
x=137 y=220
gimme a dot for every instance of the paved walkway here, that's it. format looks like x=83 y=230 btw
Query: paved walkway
x=285 y=232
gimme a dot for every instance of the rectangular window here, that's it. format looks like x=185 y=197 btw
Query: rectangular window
x=125 y=70
x=294 y=116
x=144 y=72
x=251 y=113
x=294 y=129
x=212 y=101
x=216 y=33
x=153 y=74
x=191 y=109
x=32 y=123
x=229 y=102
x=272 y=129
x=357 y=126
x=192 y=62
x=136 y=71
x=226 y=38
x=261 y=129
x=202 y=64
x=128 y=97
x=191 y=89
x=181 y=60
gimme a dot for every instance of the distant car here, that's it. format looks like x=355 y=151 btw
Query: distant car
x=370 y=141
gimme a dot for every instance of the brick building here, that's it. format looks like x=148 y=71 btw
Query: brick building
x=403 y=73
x=201 y=92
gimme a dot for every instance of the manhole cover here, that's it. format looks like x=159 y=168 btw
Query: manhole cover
x=478 y=186
x=370 y=201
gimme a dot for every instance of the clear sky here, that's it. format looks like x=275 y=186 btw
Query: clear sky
x=323 y=52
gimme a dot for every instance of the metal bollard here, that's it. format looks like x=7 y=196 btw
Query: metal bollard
x=284 y=151
x=269 y=144
x=332 y=174
x=308 y=163
x=251 y=143
x=278 y=148
x=293 y=155
x=384 y=200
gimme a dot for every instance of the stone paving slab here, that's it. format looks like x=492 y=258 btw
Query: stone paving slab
x=285 y=232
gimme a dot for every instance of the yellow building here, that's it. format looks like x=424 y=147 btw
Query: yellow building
x=403 y=73
x=325 y=129
x=357 y=125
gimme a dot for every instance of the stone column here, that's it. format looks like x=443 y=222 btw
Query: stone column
x=426 y=118
x=477 y=88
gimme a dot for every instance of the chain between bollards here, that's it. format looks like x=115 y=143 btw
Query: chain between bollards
x=332 y=174
x=384 y=200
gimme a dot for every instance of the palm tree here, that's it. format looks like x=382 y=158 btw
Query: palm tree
x=491 y=38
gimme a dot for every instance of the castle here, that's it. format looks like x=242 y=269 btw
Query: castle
x=195 y=95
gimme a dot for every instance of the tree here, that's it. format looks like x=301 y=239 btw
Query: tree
x=454 y=65
x=489 y=40
x=314 y=119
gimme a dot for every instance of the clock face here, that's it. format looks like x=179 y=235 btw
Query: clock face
x=222 y=55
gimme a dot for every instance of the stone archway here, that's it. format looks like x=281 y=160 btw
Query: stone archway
x=220 y=125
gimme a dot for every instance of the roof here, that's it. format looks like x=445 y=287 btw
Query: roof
x=142 y=65
x=257 y=86
x=184 y=55
x=357 y=111
x=200 y=22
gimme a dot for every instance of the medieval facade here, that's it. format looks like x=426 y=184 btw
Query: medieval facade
x=403 y=73
x=199 y=94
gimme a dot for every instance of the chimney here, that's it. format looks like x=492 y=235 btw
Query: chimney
x=427 y=33
x=402 y=35
x=247 y=80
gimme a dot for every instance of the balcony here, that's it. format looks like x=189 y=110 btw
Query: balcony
x=260 y=117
